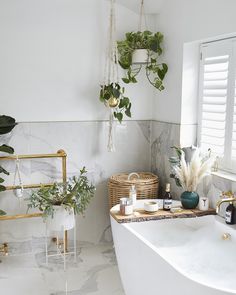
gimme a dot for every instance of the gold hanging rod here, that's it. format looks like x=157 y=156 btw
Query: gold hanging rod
x=20 y=216
x=59 y=154
x=27 y=186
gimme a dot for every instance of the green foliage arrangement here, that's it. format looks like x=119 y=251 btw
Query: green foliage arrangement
x=175 y=161
x=155 y=71
x=75 y=193
x=6 y=125
x=113 y=96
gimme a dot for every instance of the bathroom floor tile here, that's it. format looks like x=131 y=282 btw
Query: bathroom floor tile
x=94 y=272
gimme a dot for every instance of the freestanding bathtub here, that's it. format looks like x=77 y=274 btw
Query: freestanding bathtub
x=176 y=256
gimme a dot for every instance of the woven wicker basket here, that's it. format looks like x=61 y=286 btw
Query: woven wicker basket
x=119 y=185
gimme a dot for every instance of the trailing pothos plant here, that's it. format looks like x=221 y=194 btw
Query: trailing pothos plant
x=6 y=125
x=155 y=71
x=112 y=95
x=76 y=193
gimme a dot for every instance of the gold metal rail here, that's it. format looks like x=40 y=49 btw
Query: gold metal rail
x=60 y=154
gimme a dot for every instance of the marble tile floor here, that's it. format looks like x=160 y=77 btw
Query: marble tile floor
x=24 y=271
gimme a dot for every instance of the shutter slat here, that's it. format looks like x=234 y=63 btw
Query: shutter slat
x=212 y=132
x=219 y=67
x=212 y=116
x=215 y=92
x=216 y=76
x=214 y=100
x=214 y=108
x=213 y=124
x=213 y=84
x=216 y=59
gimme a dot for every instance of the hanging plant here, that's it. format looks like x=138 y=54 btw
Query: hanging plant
x=113 y=96
x=6 y=125
x=111 y=92
x=142 y=49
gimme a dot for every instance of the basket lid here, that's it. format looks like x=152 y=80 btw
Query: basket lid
x=144 y=177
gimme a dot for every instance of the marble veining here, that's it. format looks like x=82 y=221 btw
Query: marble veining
x=25 y=270
x=164 y=136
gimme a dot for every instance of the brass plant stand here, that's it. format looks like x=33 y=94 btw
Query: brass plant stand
x=61 y=250
x=60 y=154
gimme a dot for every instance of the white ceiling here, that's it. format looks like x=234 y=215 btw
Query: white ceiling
x=151 y=6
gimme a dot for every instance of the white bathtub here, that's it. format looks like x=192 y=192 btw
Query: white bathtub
x=176 y=256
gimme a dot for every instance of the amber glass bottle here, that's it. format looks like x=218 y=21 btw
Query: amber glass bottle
x=167 y=199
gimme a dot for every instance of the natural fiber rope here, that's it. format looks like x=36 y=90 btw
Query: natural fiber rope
x=17 y=175
x=142 y=17
x=111 y=70
x=110 y=144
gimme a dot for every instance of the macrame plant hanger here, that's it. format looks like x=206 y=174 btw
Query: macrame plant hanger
x=19 y=192
x=111 y=74
x=142 y=24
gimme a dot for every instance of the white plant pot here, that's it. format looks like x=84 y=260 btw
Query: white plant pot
x=140 y=56
x=63 y=219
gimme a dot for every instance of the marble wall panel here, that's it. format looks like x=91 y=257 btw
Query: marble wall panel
x=86 y=145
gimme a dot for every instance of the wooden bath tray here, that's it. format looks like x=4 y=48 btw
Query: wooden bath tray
x=140 y=215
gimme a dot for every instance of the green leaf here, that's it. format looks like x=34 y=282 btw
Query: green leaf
x=165 y=68
x=161 y=88
x=128 y=113
x=121 y=104
x=153 y=60
x=2 y=188
x=107 y=96
x=158 y=83
x=2 y=170
x=116 y=92
x=1 y=180
x=177 y=182
x=133 y=79
x=6 y=149
x=178 y=151
x=126 y=101
x=126 y=80
x=6 y=124
x=124 y=64
x=161 y=74
x=119 y=117
x=154 y=45
x=2 y=212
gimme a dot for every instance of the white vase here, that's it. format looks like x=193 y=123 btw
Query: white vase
x=140 y=56
x=63 y=219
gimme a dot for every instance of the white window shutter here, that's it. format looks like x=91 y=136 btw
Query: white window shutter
x=213 y=94
x=233 y=147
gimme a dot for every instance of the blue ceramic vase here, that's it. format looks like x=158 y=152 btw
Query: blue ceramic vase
x=189 y=200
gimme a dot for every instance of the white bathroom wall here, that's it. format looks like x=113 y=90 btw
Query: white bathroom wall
x=52 y=57
x=183 y=21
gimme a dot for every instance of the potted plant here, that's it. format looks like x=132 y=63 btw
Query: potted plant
x=188 y=175
x=112 y=95
x=142 y=49
x=7 y=123
x=61 y=201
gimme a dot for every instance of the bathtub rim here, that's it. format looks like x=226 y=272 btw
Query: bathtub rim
x=155 y=249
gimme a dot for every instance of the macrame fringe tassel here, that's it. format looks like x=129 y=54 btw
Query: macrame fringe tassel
x=111 y=143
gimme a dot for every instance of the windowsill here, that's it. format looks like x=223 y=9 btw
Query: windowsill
x=224 y=174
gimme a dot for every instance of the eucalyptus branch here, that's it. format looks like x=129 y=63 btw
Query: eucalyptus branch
x=75 y=193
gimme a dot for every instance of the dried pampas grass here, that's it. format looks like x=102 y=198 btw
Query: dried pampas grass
x=191 y=174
